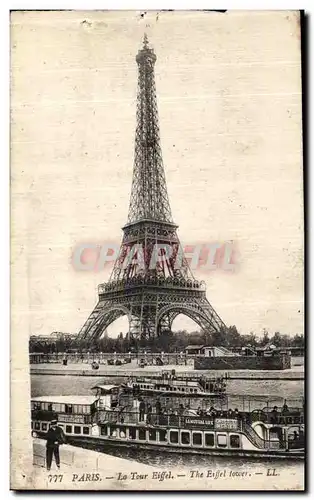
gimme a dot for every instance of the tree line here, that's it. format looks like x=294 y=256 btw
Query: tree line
x=174 y=341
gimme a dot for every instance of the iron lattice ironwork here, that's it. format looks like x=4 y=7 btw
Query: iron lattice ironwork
x=150 y=296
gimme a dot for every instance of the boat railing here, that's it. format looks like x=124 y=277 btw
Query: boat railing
x=123 y=416
x=135 y=417
x=293 y=417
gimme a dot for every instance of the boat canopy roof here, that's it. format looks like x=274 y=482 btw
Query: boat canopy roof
x=105 y=388
x=71 y=400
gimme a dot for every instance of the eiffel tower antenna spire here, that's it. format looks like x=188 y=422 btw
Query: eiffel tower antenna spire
x=145 y=41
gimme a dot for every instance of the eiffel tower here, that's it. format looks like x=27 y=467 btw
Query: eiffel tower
x=151 y=296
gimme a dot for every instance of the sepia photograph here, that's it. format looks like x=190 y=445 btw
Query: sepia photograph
x=157 y=250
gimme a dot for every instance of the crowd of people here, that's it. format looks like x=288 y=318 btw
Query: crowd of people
x=154 y=413
x=161 y=411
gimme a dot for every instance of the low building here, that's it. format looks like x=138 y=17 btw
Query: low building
x=193 y=349
x=207 y=351
x=215 y=351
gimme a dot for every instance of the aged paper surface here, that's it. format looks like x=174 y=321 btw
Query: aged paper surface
x=228 y=93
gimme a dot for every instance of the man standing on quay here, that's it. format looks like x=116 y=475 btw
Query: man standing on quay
x=55 y=437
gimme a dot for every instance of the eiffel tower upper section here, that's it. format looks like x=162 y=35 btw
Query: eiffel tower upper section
x=149 y=221
x=149 y=197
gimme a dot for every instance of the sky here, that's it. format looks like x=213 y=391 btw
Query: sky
x=229 y=100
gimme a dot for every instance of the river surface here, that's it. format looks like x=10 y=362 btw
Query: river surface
x=240 y=392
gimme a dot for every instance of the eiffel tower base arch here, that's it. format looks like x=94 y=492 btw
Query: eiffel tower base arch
x=150 y=312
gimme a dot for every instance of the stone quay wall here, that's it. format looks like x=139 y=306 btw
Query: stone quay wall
x=280 y=362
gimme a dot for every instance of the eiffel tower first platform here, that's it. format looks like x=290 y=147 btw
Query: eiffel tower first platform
x=150 y=296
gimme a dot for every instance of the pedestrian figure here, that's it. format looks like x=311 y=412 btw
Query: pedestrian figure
x=55 y=437
x=274 y=415
x=142 y=410
x=285 y=409
x=158 y=407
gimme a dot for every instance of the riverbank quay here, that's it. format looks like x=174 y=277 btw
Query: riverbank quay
x=124 y=372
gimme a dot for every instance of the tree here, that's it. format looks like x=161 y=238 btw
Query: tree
x=265 y=339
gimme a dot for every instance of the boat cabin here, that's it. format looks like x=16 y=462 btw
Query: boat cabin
x=107 y=396
x=74 y=413
x=169 y=382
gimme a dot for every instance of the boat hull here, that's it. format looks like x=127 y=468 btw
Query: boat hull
x=104 y=445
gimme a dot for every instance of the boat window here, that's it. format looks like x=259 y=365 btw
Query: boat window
x=68 y=429
x=44 y=426
x=132 y=433
x=86 y=430
x=142 y=434
x=191 y=390
x=174 y=437
x=222 y=440
x=195 y=390
x=77 y=429
x=197 y=438
x=162 y=435
x=235 y=441
x=152 y=435
x=273 y=434
x=37 y=426
x=209 y=439
x=103 y=430
x=122 y=432
x=185 y=437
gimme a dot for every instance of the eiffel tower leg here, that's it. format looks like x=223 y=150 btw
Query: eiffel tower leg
x=102 y=316
x=164 y=324
x=198 y=309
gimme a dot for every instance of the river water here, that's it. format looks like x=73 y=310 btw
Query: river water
x=240 y=392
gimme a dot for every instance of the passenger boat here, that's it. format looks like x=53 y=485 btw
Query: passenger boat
x=169 y=384
x=100 y=422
